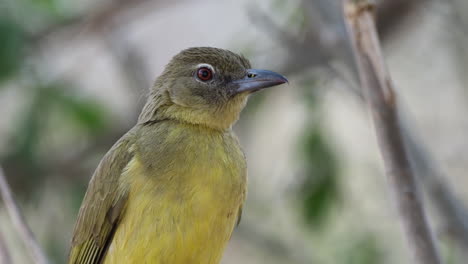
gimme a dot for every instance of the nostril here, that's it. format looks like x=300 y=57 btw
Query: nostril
x=251 y=75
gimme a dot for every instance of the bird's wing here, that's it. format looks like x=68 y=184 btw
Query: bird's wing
x=102 y=206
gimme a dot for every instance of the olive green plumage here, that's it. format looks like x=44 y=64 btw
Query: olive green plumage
x=215 y=102
x=172 y=188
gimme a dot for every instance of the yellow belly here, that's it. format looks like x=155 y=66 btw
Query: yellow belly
x=184 y=217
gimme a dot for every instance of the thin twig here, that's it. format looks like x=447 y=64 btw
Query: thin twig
x=19 y=222
x=5 y=257
x=379 y=92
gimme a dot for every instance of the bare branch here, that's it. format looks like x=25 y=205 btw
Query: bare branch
x=5 y=257
x=451 y=210
x=453 y=213
x=19 y=222
x=379 y=92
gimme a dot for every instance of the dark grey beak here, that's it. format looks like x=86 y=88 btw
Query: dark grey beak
x=256 y=80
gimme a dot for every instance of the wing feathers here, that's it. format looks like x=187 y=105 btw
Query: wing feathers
x=102 y=206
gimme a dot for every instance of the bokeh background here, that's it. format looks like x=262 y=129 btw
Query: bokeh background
x=74 y=74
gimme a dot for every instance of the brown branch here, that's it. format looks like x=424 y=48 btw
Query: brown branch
x=379 y=92
x=19 y=222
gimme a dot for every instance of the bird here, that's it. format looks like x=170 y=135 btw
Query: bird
x=171 y=190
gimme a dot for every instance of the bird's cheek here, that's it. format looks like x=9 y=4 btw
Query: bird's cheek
x=182 y=96
x=177 y=98
x=232 y=91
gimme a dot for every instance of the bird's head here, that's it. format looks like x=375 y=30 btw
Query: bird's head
x=205 y=86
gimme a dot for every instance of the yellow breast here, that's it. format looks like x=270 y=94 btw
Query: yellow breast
x=184 y=214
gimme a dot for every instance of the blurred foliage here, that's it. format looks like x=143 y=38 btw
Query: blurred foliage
x=85 y=112
x=21 y=23
x=49 y=112
x=36 y=16
x=11 y=47
x=297 y=18
x=363 y=250
x=47 y=101
x=48 y=6
x=449 y=250
x=319 y=190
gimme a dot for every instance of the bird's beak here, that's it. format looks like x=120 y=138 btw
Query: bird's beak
x=256 y=80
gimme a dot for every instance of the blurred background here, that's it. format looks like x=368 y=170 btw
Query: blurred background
x=74 y=75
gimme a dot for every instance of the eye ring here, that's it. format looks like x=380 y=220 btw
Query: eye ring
x=204 y=74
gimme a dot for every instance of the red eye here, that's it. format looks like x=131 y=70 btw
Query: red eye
x=204 y=74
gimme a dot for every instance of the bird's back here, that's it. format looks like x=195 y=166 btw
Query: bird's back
x=185 y=191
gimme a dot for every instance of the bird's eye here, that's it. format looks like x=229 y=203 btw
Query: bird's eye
x=204 y=74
